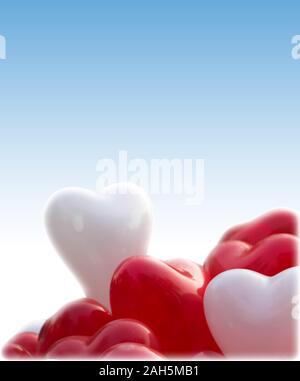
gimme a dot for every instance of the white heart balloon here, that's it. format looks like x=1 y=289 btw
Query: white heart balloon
x=251 y=315
x=95 y=232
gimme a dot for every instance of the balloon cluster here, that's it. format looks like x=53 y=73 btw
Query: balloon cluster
x=241 y=302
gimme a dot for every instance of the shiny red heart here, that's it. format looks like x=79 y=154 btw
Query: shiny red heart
x=69 y=347
x=168 y=298
x=83 y=317
x=276 y=222
x=116 y=332
x=269 y=257
x=22 y=345
x=267 y=245
x=15 y=351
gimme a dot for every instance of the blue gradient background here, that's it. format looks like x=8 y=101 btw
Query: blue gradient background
x=174 y=79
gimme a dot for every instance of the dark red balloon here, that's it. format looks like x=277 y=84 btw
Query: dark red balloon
x=122 y=331
x=83 y=317
x=69 y=347
x=267 y=245
x=23 y=344
x=116 y=332
x=15 y=351
x=276 y=222
x=168 y=298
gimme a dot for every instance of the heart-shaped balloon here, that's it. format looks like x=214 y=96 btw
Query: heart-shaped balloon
x=116 y=332
x=168 y=298
x=22 y=345
x=82 y=317
x=269 y=256
x=275 y=222
x=94 y=232
x=69 y=347
x=250 y=314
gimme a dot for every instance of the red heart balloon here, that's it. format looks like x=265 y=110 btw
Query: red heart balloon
x=267 y=245
x=116 y=332
x=276 y=222
x=69 y=347
x=83 y=317
x=269 y=257
x=22 y=345
x=15 y=351
x=130 y=351
x=168 y=298
x=122 y=331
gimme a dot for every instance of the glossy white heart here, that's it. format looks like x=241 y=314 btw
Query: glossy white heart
x=251 y=315
x=95 y=232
